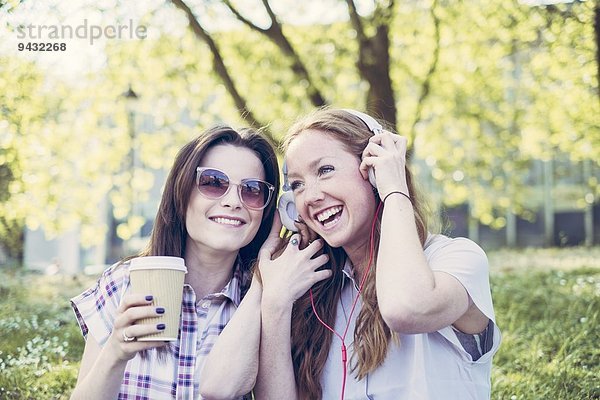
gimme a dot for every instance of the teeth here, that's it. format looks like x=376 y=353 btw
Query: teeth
x=329 y=223
x=328 y=213
x=227 y=221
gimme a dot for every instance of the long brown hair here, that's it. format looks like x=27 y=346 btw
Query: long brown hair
x=311 y=341
x=169 y=232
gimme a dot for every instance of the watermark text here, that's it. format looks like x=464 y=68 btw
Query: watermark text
x=91 y=32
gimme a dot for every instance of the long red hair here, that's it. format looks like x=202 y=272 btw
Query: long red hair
x=310 y=340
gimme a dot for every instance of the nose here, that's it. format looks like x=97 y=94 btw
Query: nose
x=313 y=193
x=231 y=198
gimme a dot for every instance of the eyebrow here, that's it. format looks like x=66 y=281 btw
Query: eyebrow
x=311 y=165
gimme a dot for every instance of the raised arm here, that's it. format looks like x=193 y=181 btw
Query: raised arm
x=412 y=297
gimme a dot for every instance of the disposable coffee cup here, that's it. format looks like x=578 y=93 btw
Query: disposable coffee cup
x=162 y=277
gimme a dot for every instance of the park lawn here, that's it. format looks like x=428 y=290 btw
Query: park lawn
x=41 y=343
x=547 y=304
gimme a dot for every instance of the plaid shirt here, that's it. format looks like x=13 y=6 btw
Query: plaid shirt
x=201 y=323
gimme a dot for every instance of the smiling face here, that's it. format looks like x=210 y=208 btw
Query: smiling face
x=224 y=224
x=330 y=194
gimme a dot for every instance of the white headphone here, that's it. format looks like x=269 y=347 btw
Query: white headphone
x=287 y=207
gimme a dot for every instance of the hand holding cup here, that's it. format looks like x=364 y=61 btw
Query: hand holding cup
x=163 y=277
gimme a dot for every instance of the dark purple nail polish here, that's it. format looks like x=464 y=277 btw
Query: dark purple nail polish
x=160 y=327
x=160 y=310
x=149 y=298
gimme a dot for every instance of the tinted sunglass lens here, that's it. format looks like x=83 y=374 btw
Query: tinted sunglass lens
x=213 y=183
x=254 y=193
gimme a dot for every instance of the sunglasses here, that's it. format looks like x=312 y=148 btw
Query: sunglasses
x=214 y=184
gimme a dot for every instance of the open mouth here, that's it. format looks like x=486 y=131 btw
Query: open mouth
x=329 y=216
x=227 y=221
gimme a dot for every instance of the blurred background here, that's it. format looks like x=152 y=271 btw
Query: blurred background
x=499 y=100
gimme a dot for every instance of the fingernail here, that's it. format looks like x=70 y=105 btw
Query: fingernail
x=149 y=298
x=160 y=327
x=160 y=310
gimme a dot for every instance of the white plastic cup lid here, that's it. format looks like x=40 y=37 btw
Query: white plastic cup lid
x=157 y=262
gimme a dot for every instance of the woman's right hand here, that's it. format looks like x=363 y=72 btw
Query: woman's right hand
x=289 y=276
x=123 y=339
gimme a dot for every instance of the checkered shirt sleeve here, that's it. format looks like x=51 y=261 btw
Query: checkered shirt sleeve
x=96 y=308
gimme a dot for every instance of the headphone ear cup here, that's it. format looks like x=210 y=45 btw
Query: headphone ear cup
x=372 y=178
x=375 y=127
x=287 y=211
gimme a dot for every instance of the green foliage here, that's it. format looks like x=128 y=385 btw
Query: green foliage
x=513 y=84
x=506 y=102
x=16 y=115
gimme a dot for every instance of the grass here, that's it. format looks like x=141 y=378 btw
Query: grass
x=41 y=344
x=551 y=333
x=550 y=323
x=547 y=304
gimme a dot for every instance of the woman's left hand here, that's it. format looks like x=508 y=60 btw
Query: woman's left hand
x=290 y=275
x=386 y=154
x=271 y=244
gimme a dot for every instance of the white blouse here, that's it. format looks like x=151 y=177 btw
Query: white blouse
x=426 y=366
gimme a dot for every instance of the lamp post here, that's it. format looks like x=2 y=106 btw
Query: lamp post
x=131 y=98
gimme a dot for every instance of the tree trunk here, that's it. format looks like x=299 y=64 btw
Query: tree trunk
x=374 y=66
x=597 y=32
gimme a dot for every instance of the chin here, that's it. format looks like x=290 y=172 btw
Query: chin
x=228 y=245
x=333 y=240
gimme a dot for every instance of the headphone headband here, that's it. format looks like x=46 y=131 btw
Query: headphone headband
x=284 y=170
x=369 y=121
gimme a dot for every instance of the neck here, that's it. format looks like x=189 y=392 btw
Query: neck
x=208 y=270
x=359 y=250
x=359 y=257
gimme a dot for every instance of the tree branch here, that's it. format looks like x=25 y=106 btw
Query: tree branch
x=374 y=61
x=356 y=22
x=275 y=34
x=242 y=19
x=383 y=14
x=426 y=85
x=220 y=68
x=270 y=11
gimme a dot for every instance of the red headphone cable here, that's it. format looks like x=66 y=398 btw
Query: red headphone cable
x=362 y=282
